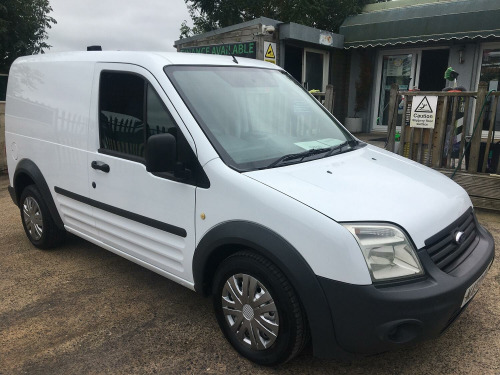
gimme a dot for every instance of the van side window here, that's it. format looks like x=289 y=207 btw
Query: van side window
x=121 y=113
x=158 y=119
x=130 y=112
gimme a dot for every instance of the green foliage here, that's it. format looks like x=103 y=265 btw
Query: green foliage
x=201 y=22
x=23 y=29
x=208 y=15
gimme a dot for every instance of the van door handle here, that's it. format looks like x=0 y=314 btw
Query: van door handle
x=100 y=165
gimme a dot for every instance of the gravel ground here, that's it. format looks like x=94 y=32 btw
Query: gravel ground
x=80 y=309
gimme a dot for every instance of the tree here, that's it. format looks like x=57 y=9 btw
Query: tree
x=328 y=15
x=23 y=29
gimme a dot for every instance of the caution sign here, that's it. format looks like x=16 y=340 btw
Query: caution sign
x=270 y=52
x=423 y=112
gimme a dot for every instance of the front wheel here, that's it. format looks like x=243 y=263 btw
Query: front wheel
x=258 y=310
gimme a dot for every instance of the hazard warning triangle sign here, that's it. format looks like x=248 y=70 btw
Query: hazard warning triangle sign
x=423 y=112
x=424 y=106
x=270 y=52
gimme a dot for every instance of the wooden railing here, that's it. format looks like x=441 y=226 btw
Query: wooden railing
x=326 y=98
x=456 y=146
x=452 y=143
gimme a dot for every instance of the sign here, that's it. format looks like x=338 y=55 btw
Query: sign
x=270 y=52
x=395 y=67
x=423 y=112
x=246 y=49
x=326 y=38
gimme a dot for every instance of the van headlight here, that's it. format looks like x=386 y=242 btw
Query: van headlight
x=387 y=251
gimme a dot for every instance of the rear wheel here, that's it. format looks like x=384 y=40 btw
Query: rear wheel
x=37 y=221
x=258 y=310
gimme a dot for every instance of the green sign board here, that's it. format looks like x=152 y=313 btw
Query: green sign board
x=246 y=49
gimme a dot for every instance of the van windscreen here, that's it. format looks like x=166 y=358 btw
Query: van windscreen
x=254 y=117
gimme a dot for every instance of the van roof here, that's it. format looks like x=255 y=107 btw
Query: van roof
x=145 y=58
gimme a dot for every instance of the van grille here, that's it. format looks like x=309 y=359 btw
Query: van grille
x=443 y=249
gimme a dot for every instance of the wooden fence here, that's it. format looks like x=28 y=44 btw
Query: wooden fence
x=326 y=98
x=453 y=146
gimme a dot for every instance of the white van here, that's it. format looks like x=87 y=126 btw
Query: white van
x=224 y=175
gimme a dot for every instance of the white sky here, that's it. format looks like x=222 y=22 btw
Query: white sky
x=116 y=24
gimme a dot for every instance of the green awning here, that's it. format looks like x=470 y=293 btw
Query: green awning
x=444 y=20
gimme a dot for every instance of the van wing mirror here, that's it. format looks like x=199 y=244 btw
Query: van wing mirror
x=160 y=153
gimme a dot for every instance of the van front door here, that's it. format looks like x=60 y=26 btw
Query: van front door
x=146 y=218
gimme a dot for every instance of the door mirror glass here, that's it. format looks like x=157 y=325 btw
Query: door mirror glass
x=161 y=153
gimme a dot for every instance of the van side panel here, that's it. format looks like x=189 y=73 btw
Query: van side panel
x=47 y=119
x=326 y=246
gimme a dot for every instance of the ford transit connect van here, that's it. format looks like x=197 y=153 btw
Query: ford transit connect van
x=224 y=175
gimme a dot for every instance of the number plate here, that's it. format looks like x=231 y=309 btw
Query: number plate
x=472 y=290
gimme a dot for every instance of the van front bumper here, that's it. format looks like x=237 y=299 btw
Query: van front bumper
x=370 y=319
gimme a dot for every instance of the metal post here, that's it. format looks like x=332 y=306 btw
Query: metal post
x=393 y=114
x=476 y=138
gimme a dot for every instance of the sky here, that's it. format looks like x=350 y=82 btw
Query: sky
x=146 y=25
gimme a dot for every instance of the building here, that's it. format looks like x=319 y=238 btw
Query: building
x=3 y=86
x=412 y=42
x=313 y=57
x=408 y=42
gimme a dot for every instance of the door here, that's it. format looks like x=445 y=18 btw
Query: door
x=489 y=72
x=408 y=69
x=398 y=68
x=293 y=61
x=315 y=69
x=432 y=69
x=147 y=218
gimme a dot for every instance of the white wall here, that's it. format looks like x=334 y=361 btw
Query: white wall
x=468 y=68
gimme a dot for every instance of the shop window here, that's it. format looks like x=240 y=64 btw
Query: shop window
x=490 y=73
x=396 y=69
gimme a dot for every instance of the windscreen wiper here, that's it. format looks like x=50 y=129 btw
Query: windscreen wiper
x=329 y=151
x=300 y=155
x=339 y=148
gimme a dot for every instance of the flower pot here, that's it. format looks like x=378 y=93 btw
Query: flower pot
x=354 y=124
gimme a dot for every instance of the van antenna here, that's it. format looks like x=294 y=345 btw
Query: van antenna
x=224 y=44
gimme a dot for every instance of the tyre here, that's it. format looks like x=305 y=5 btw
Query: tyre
x=37 y=221
x=258 y=310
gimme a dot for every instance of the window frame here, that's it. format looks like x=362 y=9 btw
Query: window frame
x=147 y=83
x=106 y=151
x=483 y=46
x=225 y=157
x=198 y=176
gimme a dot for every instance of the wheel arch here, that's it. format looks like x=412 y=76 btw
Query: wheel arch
x=27 y=173
x=232 y=236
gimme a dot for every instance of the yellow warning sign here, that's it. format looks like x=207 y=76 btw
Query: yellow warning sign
x=269 y=52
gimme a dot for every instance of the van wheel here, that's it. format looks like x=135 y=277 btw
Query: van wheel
x=37 y=221
x=258 y=310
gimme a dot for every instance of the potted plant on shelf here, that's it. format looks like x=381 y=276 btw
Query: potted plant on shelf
x=363 y=84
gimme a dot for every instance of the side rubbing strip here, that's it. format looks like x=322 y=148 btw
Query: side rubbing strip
x=126 y=214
